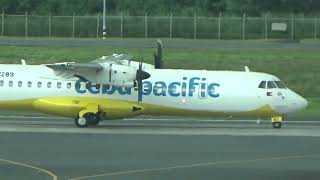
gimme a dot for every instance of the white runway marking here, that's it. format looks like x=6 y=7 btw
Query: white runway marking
x=33 y=117
x=218 y=120
x=157 y=127
x=159 y=119
x=172 y=131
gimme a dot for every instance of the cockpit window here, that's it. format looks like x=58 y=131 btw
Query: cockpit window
x=271 y=85
x=280 y=84
x=262 y=84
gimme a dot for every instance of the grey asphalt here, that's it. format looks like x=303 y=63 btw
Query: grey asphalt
x=36 y=146
x=167 y=43
x=161 y=148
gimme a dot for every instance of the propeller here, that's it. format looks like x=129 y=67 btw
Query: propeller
x=158 y=63
x=141 y=75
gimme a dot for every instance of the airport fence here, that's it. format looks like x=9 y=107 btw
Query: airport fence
x=195 y=27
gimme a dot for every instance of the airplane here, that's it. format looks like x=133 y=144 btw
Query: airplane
x=116 y=87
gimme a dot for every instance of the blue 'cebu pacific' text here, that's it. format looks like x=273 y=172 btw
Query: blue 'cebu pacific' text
x=159 y=88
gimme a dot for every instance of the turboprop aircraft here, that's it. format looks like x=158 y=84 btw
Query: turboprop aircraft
x=115 y=87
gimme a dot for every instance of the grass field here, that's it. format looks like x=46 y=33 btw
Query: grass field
x=311 y=113
x=298 y=68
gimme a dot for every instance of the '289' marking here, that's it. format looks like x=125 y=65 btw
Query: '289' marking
x=6 y=74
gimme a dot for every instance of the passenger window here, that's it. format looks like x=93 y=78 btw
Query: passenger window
x=49 y=84
x=69 y=85
x=58 y=85
x=20 y=84
x=280 y=84
x=29 y=83
x=271 y=85
x=262 y=84
x=1 y=83
x=39 y=84
x=10 y=83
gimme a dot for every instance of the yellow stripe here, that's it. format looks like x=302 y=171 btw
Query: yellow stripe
x=118 y=109
x=195 y=165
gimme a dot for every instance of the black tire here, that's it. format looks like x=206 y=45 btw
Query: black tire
x=81 y=122
x=92 y=119
x=94 y=123
x=277 y=125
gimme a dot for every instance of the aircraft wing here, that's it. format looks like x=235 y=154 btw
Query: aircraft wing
x=96 y=65
x=75 y=66
x=116 y=70
x=84 y=71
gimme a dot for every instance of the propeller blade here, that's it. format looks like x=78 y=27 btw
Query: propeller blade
x=140 y=91
x=141 y=75
x=158 y=63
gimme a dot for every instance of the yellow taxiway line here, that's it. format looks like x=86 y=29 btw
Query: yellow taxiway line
x=194 y=165
x=54 y=177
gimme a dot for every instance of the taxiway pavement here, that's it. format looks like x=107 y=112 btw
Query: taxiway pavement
x=35 y=146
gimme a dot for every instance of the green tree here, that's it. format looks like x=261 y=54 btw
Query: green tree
x=161 y=7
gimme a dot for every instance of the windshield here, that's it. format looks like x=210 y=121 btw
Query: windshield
x=262 y=84
x=280 y=84
x=271 y=85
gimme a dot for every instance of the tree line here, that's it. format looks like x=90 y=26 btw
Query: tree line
x=162 y=7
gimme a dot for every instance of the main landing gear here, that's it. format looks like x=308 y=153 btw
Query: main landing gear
x=276 y=121
x=88 y=119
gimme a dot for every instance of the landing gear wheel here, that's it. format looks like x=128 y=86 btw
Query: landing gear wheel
x=94 y=123
x=81 y=122
x=276 y=121
x=92 y=119
x=87 y=119
x=276 y=125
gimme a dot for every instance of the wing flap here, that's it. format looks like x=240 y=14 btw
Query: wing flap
x=75 y=66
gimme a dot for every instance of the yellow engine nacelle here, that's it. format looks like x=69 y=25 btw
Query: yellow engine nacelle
x=77 y=107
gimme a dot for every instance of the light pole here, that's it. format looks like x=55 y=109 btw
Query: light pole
x=104 y=28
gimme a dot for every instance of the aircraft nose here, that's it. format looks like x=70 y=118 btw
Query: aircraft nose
x=297 y=102
x=302 y=103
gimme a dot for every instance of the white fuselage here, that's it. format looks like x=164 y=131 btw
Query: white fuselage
x=196 y=90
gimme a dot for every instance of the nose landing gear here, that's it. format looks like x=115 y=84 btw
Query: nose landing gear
x=276 y=122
